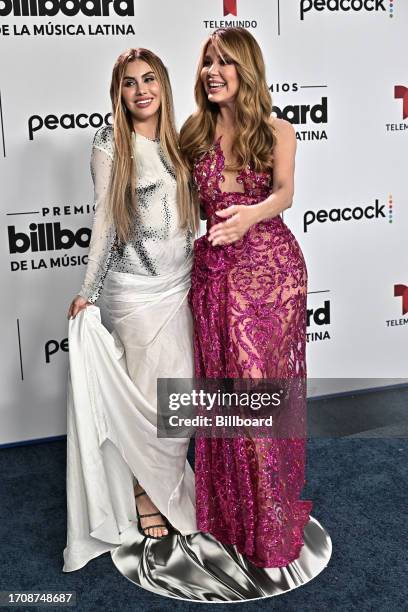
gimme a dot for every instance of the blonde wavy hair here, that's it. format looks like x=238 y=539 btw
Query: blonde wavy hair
x=254 y=135
x=122 y=199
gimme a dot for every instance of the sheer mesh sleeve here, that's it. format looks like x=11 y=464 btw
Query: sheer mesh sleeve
x=103 y=232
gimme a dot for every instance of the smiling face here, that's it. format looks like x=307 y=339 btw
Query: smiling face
x=141 y=92
x=219 y=77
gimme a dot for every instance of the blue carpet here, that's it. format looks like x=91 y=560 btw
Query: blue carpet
x=359 y=490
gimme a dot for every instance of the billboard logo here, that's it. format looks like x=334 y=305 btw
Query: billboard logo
x=401 y=93
x=302 y=113
x=47 y=237
x=230 y=7
x=402 y=292
x=311 y=120
x=70 y=8
x=318 y=318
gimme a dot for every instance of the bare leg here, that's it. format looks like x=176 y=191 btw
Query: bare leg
x=146 y=506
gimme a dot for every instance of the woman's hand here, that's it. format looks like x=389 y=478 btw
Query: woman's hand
x=77 y=304
x=239 y=219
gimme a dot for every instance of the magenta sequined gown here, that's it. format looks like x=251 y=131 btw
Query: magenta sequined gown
x=249 y=306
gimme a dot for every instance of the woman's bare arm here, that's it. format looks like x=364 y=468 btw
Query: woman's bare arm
x=240 y=218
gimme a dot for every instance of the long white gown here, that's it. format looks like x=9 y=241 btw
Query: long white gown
x=111 y=409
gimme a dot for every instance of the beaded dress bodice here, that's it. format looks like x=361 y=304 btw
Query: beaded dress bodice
x=208 y=176
x=157 y=245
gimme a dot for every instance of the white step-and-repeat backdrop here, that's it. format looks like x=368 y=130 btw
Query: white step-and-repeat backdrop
x=337 y=70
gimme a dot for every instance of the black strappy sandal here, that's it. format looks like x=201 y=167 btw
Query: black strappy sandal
x=143 y=529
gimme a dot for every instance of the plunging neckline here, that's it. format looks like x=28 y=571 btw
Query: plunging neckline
x=221 y=177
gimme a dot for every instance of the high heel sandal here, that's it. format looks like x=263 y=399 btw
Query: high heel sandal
x=143 y=529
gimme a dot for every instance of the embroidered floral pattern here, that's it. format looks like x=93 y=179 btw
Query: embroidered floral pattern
x=249 y=305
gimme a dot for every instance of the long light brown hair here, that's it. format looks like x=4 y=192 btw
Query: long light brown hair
x=254 y=135
x=122 y=200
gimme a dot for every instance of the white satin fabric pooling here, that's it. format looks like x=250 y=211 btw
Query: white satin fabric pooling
x=111 y=413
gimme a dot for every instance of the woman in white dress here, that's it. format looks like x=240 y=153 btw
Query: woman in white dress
x=140 y=259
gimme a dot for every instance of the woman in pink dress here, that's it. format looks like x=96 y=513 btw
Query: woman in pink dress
x=248 y=297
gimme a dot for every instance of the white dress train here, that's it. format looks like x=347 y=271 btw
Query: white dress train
x=111 y=409
x=111 y=423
